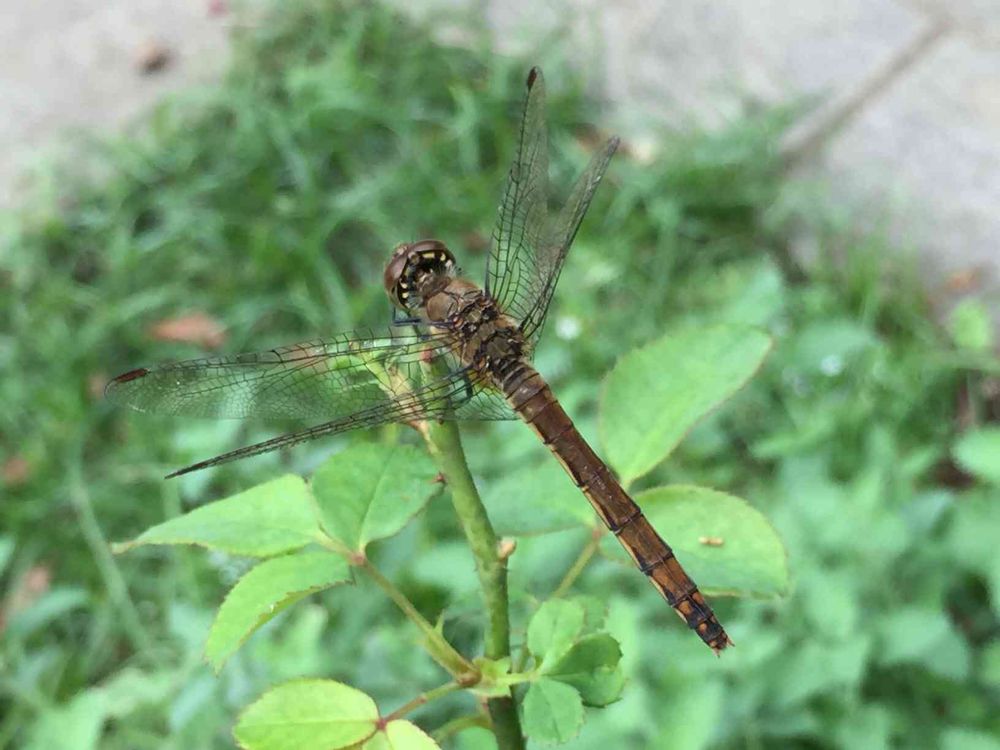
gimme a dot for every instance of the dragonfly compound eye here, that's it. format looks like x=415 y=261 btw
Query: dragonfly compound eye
x=414 y=269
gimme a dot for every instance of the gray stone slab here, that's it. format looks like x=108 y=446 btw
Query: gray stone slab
x=977 y=17
x=691 y=60
x=931 y=142
x=73 y=64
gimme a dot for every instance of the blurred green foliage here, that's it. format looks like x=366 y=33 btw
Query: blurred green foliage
x=270 y=203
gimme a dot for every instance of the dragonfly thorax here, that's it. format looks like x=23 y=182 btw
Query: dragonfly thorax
x=417 y=271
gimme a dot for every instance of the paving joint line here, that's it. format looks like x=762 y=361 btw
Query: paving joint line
x=812 y=131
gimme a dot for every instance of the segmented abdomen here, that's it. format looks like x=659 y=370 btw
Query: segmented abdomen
x=529 y=395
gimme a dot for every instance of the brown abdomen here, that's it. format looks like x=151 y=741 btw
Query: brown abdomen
x=529 y=395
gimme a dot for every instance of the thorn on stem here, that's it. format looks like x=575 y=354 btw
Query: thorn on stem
x=357 y=559
x=505 y=548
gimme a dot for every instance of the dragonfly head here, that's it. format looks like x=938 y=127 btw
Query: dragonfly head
x=416 y=271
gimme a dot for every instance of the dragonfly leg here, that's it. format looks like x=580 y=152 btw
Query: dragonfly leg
x=398 y=321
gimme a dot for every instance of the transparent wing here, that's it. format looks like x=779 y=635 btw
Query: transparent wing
x=355 y=380
x=530 y=246
x=324 y=379
x=560 y=235
x=512 y=270
x=454 y=396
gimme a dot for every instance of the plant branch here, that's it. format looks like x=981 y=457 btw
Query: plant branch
x=445 y=446
x=457 y=725
x=114 y=581
x=423 y=698
x=580 y=563
x=464 y=672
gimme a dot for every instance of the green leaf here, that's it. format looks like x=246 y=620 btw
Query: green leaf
x=306 y=714
x=266 y=520
x=601 y=687
x=978 y=452
x=265 y=591
x=370 y=490
x=971 y=327
x=595 y=612
x=591 y=666
x=554 y=627
x=725 y=545
x=536 y=500
x=400 y=735
x=553 y=712
x=588 y=655
x=655 y=394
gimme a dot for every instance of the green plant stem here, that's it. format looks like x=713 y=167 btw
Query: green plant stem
x=445 y=446
x=111 y=574
x=443 y=652
x=579 y=564
x=455 y=726
x=423 y=698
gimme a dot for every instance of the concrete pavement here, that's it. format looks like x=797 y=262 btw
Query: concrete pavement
x=906 y=92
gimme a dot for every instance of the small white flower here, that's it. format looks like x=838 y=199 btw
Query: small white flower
x=831 y=365
x=568 y=327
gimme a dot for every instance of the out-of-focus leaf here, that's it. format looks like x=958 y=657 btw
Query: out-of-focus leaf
x=476 y=738
x=949 y=657
x=131 y=689
x=536 y=500
x=271 y=518
x=689 y=719
x=48 y=607
x=989 y=667
x=972 y=537
x=978 y=451
x=970 y=325
x=553 y=712
x=761 y=298
x=655 y=394
x=264 y=592
x=960 y=738
x=307 y=715
x=800 y=673
x=400 y=735
x=370 y=490
x=447 y=564
x=6 y=550
x=867 y=727
x=73 y=726
x=727 y=546
x=908 y=634
x=826 y=347
x=554 y=627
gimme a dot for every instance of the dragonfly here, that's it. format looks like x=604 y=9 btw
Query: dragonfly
x=456 y=350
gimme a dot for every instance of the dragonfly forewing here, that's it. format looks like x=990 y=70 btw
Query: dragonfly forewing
x=313 y=380
x=529 y=243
